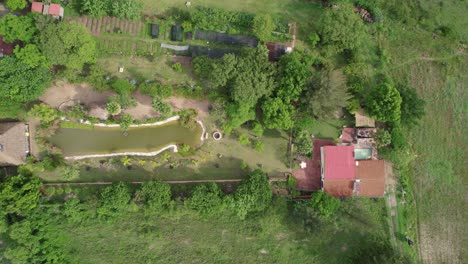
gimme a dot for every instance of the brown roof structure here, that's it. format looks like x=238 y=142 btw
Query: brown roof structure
x=371 y=177
x=14 y=143
x=362 y=120
x=339 y=187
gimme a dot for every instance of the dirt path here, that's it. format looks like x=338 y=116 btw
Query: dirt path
x=179 y=103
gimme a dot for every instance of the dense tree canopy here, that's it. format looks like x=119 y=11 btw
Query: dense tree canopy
x=253 y=194
x=325 y=204
x=384 y=103
x=412 y=107
x=19 y=195
x=17 y=28
x=277 y=114
x=206 y=199
x=31 y=55
x=294 y=72
x=155 y=195
x=68 y=44
x=114 y=200
x=19 y=82
x=341 y=28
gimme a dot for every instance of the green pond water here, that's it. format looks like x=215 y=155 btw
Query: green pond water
x=106 y=140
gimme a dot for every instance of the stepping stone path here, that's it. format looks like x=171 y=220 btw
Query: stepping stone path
x=110 y=25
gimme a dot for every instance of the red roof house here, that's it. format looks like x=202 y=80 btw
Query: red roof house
x=343 y=176
x=36 y=7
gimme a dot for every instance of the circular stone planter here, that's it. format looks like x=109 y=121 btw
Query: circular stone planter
x=217 y=135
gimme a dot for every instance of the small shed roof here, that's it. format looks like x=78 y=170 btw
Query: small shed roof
x=362 y=120
x=36 y=7
x=13 y=143
x=154 y=30
x=5 y=48
x=54 y=9
x=177 y=33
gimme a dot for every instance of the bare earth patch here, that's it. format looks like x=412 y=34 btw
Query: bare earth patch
x=179 y=103
x=62 y=92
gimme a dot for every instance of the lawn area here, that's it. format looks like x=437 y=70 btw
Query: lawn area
x=146 y=68
x=303 y=12
x=277 y=236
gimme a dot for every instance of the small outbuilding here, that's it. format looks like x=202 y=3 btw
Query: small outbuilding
x=5 y=48
x=154 y=31
x=177 y=33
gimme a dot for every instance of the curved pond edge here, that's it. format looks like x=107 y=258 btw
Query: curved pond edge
x=147 y=154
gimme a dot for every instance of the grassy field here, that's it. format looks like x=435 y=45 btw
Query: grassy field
x=436 y=68
x=278 y=236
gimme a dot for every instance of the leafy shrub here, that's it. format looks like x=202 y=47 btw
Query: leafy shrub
x=383 y=138
x=303 y=144
x=122 y=87
x=154 y=89
x=44 y=112
x=244 y=139
x=69 y=173
x=177 y=67
x=324 y=204
x=127 y=9
x=188 y=118
x=126 y=121
x=258 y=145
x=257 y=129
x=262 y=27
x=113 y=108
x=163 y=108
x=216 y=19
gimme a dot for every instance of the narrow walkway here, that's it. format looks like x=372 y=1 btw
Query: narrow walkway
x=135 y=182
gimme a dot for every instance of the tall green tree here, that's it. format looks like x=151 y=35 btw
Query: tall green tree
x=31 y=55
x=262 y=26
x=341 y=28
x=329 y=93
x=294 y=72
x=20 y=83
x=68 y=44
x=253 y=195
x=412 y=106
x=17 y=28
x=384 y=103
x=206 y=199
x=277 y=114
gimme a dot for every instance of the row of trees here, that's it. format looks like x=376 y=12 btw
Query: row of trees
x=25 y=217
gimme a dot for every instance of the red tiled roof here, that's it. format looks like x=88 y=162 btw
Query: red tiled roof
x=347 y=135
x=36 y=7
x=339 y=162
x=372 y=176
x=54 y=9
x=339 y=188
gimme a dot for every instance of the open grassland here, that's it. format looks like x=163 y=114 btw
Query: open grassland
x=439 y=169
x=277 y=236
